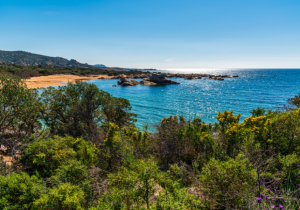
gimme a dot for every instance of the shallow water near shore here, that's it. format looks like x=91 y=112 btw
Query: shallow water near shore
x=201 y=98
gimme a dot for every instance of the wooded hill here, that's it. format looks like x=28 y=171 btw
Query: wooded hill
x=43 y=70
x=27 y=58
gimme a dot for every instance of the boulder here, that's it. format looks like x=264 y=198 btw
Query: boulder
x=225 y=76
x=125 y=82
x=147 y=82
x=174 y=82
x=122 y=80
x=161 y=79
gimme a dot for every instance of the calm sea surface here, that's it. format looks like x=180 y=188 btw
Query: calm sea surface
x=254 y=88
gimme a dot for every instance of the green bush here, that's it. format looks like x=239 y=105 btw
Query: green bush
x=65 y=196
x=178 y=200
x=226 y=184
x=18 y=191
x=48 y=155
x=178 y=139
x=74 y=172
x=131 y=188
x=284 y=131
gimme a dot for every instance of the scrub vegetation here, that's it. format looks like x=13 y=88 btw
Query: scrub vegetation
x=44 y=70
x=76 y=147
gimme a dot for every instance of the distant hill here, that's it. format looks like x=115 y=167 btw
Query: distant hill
x=27 y=58
x=99 y=65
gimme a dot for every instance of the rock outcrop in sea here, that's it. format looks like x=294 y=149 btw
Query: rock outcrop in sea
x=154 y=79
x=125 y=82
x=160 y=79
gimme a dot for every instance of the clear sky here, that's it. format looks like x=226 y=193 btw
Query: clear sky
x=157 y=33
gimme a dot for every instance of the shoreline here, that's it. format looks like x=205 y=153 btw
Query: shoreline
x=62 y=79
x=58 y=79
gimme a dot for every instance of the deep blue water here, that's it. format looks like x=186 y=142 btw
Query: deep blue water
x=204 y=98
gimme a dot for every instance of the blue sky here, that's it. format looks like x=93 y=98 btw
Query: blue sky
x=157 y=33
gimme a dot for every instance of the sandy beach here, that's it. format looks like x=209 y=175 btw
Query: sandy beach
x=60 y=79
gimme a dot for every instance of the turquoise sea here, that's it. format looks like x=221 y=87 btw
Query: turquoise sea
x=269 y=88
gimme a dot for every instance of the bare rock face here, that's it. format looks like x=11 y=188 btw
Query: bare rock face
x=147 y=82
x=125 y=82
x=225 y=76
x=155 y=79
x=174 y=82
x=134 y=82
x=161 y=79
x=122 y=80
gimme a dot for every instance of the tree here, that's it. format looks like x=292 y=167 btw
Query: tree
x=258 y=112
x=19 y=108
x=117 y=111
x=80 y=109
x=295 y=101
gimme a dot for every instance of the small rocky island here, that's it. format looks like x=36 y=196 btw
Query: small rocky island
x=161 y=79
x=154 y=79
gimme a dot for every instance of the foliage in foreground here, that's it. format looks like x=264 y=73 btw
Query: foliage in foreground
x=91 y=156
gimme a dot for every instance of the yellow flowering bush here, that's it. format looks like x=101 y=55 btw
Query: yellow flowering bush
x=226 y=118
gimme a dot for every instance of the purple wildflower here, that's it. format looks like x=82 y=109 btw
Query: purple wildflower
x=261 y=195
x=259 y=199
x=281 y=206
x=269 y=190
x=273 y=206
x=192 y=160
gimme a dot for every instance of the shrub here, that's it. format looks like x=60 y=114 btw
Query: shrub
x=181 y=139
x=225 y=184
x=65 y=196
x=74 y=172
x=18 y=191
x=131 y=188
x=284 y=132
x=47 y=155
x=179 y=199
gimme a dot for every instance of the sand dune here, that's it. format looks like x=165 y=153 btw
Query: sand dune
x=61 y=79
